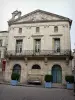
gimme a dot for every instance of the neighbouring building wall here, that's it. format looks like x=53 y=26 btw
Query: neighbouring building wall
x=4 y=39
x=3 y=46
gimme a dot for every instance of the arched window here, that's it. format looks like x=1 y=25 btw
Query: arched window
x=36 y=67
x=55 y=28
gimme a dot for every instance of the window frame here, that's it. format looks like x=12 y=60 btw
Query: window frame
x=19 y=46
x=1 y=42
x=36 y=67
x=55 y=28
x=37 y=48
x=37 y=29
x=20 y=30
x=57 y=49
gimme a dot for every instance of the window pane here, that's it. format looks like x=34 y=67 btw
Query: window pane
x=57 y=45
x=20 y=30
x=37 y=29
x=0 y=42
x=37 y=45
x=56 y=29
x=19 y=46
x=36 y=67
x=0 y=54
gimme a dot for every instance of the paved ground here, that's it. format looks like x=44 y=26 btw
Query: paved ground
x=8 y=92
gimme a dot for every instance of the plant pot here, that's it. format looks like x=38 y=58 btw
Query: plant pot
x=70 y=86
x=48 y=84
x=14 y=82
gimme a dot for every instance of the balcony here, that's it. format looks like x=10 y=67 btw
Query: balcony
x=30 y=53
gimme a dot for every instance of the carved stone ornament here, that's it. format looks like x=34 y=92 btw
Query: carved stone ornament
x=26 y=60
x=67 y=60
x=46 y=60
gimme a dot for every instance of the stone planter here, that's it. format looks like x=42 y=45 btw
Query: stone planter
x=70 y=86
x=48 y=84
x=14 y=82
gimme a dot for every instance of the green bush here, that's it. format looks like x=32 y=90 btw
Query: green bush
x=48 y=78
x=69 y=78
x=15 y=76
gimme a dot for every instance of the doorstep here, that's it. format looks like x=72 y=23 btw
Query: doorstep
x=58 y=85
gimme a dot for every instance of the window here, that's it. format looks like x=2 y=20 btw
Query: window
x=37 y=29
x=0 y=42
x=36 y=67
x=20 y=30
x=37 y=45
x=55 y=28
x=0 y=54
x=19 y=46
x=57 y=44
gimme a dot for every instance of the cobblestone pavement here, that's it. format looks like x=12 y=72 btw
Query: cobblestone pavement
x=8 y=92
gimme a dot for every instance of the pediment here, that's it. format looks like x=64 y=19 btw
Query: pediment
x=39 y=15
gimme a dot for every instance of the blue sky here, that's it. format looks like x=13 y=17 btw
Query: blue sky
x=61 y=7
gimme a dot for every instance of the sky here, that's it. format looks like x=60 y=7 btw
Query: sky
x=61 y=7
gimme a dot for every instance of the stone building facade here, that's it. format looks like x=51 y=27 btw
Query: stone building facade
x=38 y=44
x=3 y=46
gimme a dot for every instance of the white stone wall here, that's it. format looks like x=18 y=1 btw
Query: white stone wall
x=26 y=70
x=46 y=35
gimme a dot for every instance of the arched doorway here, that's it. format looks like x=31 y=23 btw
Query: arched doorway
x=35 y=76
x=16 y=69
x=57 y=74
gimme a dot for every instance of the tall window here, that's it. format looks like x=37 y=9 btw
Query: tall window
x=0 y=54
x=37 y=45
x=20 y=30
x=19 y=46
x=55 y=28
x=0 y=42
x=37 y=29
x=57 y=44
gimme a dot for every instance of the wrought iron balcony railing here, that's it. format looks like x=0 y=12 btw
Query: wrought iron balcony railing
x=40 y=53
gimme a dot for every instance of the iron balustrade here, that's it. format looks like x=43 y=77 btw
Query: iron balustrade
x=41 y=52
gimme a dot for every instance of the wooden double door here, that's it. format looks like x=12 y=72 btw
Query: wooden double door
x=57 y=74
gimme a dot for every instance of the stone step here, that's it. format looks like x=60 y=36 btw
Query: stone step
x=58 y=85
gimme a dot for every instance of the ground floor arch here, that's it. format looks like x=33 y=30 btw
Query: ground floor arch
x=57 y=73
x=17 y=69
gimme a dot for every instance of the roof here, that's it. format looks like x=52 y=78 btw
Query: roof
x=38 y=10
x=3 y=31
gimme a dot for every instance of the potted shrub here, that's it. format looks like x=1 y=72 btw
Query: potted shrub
x=48 y=81
x=70 y=81
x=15 y=78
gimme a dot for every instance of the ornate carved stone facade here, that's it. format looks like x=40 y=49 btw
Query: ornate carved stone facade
x=38 y=53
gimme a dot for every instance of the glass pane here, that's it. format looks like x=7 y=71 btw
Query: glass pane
x=37 y=29
x=37 y=45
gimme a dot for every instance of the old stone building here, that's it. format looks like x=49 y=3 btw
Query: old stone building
x=3 y=46
x=38 y=44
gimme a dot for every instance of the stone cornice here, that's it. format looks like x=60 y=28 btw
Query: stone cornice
x=19 y=36
x=3 y=31
x=38 y=35
x=56 y=35
x=39 y=21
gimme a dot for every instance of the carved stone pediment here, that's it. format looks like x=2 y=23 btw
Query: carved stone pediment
x=38 y=15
